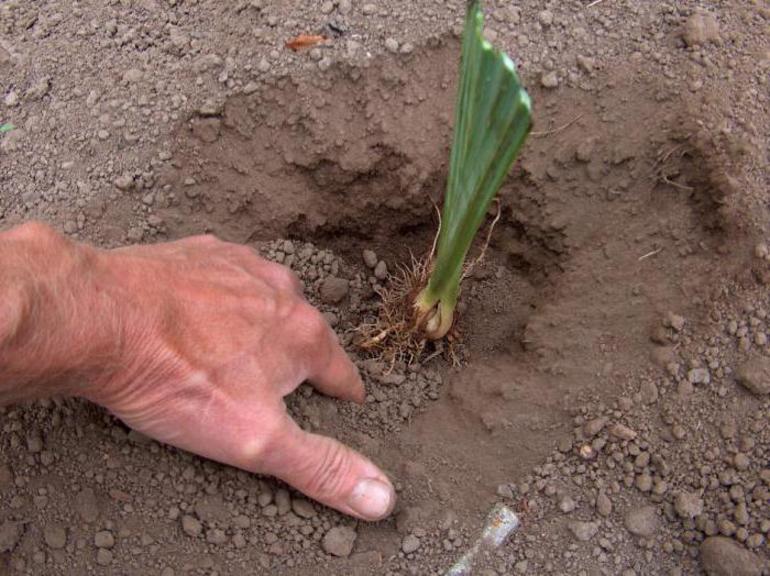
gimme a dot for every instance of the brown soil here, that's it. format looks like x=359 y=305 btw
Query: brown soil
x=625 y=283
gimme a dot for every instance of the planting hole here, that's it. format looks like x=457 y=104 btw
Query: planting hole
x=604 y=227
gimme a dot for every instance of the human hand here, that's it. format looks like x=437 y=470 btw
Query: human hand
x=200 y=340
x=213 y=338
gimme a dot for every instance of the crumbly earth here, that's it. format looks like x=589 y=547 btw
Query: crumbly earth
x=615 y=379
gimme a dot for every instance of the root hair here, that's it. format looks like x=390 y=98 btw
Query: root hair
x=395 y=336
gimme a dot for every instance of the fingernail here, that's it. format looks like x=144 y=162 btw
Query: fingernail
x=372 y=499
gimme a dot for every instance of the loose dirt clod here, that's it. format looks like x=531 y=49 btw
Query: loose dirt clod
x=583 y=531
x=724 y=557
x=55 y=536
x=191 y=526
x=642 y=521
x=339 y=541
x=754 y=375
x=700 y=28
x=333 y=290
x=10 y=532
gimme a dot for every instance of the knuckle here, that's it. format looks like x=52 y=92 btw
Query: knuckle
x=286 y=281
x=333 y=468
x=267 y=306
x=291 y=279
x=284 y=277
x=255 y=450
x=313 y=325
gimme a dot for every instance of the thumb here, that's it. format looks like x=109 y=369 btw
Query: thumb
x=331 y=473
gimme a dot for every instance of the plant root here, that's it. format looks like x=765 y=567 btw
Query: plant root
x=480 y=258
x=662 y=169
x=395 y=337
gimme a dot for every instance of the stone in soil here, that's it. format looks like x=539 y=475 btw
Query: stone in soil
x=583 y=531
x=603 y=504
x=34 y=443
x=55 y=535
x=722 y=556
x=549 y=80
x=649 y=392
x=410 y=544
x=585 y=150
x=567 y=504
x=303 y=508
x=104 y=539
x=674 y=321
x=699 y=376
x=381 y=270
x=642 y=521
x=211 y=509
x=754 y=375
x=339 y=541
x=216 y=536
x=283 y=501
x=370 y=259
x=593 y=427
x=86 y=505
x=622 y=432
x=10 y=533
x=103 y=557
x=688 y=505
x=700 y=28
x=333 y=290
x=6 y=477
x=191 y=526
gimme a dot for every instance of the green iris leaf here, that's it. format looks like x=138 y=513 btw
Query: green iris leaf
x=492 y=120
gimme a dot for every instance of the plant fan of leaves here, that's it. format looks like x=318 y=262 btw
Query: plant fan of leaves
x=492 y=120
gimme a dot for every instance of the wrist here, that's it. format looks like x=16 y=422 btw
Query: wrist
x=56 y=331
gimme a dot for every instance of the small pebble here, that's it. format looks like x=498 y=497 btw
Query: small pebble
x=333 y=290
x=191 y=526
x=567 y=504
x=381 y=270
x=339 y=541
x=104 y=539
x=688 y=505
x=370 y=259
x=642 y=521
x=549 y=80
x=410 y=544
x=103 y=557
x=303 y=508
x=583 y=531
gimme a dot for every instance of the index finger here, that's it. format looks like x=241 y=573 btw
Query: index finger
x=329 y=369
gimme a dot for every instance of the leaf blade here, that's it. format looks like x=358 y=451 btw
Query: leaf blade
x=492 y=121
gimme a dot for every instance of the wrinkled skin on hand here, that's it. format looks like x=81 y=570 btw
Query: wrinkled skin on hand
x=211 y=339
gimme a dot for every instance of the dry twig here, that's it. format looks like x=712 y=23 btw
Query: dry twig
x=649 y=254
x=480 y=257
x=557 y=130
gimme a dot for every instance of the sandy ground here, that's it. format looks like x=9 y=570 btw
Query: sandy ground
x=614 y=384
